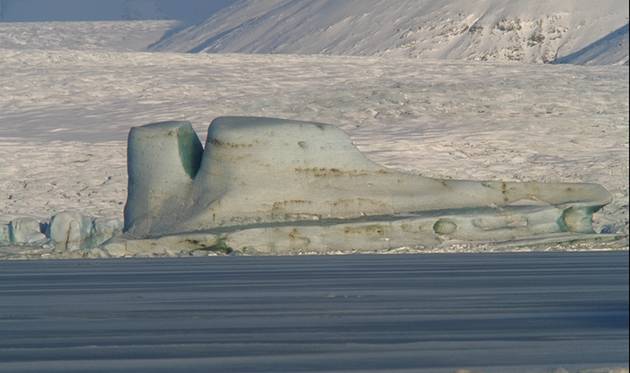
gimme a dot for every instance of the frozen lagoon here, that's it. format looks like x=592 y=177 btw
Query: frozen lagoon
x=520 y=312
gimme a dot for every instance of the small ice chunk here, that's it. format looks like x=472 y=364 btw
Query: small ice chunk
x=70 y=230
x=4 y=234
x=25 y=231
x=104 y=229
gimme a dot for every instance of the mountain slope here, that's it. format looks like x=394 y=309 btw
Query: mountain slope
x=496 y=30
x=609 y=50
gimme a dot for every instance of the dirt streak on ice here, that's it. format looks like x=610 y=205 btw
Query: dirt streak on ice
x=64 y=116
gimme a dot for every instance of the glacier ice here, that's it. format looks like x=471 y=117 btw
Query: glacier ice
x=4 y=234
x=70 y=230
x=104 y=229
x=25 y=231
x=67 y=231
x=280 y=186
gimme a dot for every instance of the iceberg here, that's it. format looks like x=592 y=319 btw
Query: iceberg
x=281 y=186
x=24 y=231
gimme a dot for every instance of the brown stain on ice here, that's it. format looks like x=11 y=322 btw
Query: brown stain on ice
x=217 y=142
x=332 y=172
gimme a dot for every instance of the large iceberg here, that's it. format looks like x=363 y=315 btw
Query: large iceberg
x=281 y=186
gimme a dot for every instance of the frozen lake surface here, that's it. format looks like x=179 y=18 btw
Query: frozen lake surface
x=521 y=312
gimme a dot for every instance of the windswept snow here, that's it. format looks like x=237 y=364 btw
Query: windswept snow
x=62 y=133
x=494 y=30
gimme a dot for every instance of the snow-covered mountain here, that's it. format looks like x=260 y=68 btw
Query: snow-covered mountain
x=609 y=50
x=108 y=10
x=495 y=30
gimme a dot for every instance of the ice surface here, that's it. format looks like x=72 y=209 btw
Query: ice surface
x=162 y=160
x=4 y=234
x=25 y=231
x=69 y=230
x=65 y=231
x=104 y=229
